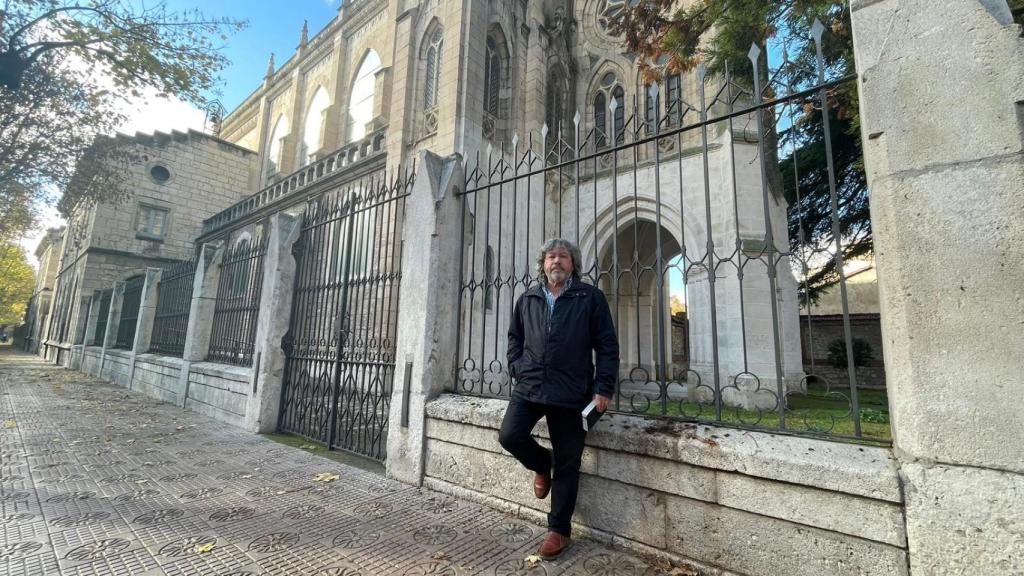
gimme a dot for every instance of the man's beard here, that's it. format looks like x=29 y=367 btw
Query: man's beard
x=557 y=276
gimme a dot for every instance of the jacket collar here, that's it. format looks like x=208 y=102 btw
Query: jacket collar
x=538 y=290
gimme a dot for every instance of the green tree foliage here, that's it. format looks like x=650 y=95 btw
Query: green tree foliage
x=67 y=69
x=16 y=283
x=719 y=34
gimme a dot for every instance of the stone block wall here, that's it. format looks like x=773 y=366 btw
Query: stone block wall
x=117 y=367
x=730 y=500
x=219 y=391
x=158 y=377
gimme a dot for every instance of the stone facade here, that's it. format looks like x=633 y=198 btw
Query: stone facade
x=36 y=317
x=179 y=180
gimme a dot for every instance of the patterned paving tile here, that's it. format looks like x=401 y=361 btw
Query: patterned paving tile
x=86 y=490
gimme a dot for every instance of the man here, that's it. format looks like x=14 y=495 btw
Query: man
x=557 y=328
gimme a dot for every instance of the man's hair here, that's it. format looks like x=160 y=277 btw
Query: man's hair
x=574 y=253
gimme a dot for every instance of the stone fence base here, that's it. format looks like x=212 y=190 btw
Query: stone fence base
x=219 y=391
x=735 y=502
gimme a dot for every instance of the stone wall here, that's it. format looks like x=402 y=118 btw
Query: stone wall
x=219 y=391
x=735 y=501
x=158 y=377
x=116 y=367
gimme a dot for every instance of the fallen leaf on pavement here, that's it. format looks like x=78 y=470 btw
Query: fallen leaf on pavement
x=204 y=548
x=10 y=424
x=532 y=560
x=326 y=477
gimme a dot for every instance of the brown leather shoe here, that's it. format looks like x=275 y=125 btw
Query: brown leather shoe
x=554 y=544
x=541 y=485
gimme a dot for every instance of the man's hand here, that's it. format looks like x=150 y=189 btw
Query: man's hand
x=602 y=402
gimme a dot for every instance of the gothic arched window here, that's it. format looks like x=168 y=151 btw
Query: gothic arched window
x=275 y=146
x=673 y=100
x=492 y=77
x=608 y=90
x=313 y=125
x=432 y=78
x=361 y=101
x=600 y=124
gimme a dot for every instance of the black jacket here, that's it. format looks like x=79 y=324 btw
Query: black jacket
x=554 y=364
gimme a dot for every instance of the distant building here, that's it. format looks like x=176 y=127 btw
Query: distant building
x=48 y=255
x=180 y=179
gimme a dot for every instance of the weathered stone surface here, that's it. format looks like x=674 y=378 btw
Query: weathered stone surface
x=753 y=544
x=859 y=470
x=427 y=310
x=866 y=518
x=951 y=311
x=272 y=325
x=964 y=521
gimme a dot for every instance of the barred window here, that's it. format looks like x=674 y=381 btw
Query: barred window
x=673 y=103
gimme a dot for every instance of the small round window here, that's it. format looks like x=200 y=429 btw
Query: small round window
x=160 y=173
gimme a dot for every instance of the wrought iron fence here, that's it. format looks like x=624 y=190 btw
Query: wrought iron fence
x=101 y=319
x=726 y=213
x=174 y=300
x=236 y=311
x=130 y=304
x=340 y=346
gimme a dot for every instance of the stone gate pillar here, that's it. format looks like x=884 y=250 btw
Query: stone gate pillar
x=428 y=300
x=274 y=317
x=200 y=315
x=942 y=118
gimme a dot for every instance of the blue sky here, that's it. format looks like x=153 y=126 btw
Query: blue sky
x=274 y=26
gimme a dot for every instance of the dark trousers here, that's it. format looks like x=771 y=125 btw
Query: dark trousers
x=567 y=435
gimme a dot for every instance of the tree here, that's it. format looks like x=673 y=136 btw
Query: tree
x=67 y=69
x=719 y=34
x=16 y=283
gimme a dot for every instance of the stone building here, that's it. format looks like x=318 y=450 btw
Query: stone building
x=387 y=79
x=180 y=178
x=48 y=255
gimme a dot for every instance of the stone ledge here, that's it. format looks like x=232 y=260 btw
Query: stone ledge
x=225 y=371
x=866 y=471
x=159 y=360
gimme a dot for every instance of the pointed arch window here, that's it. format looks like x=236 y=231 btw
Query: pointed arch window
x=275 y=147
x=492 y=77
x=609 y=89
x=600 y=123
x=431 y=56
x=361 y=101
x=313 y=125
x=673 y=100
x=432 y=74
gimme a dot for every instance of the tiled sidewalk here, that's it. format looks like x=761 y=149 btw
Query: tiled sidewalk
x=97 y=480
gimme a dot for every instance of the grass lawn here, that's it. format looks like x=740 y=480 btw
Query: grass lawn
x=818 y=411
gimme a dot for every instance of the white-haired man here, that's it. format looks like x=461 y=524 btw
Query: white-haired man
x=558 y=329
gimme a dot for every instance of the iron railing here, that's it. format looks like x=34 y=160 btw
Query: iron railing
x=233 y=336
x=690 y=219
x=101 y=319
x=174 y=300
x=130 y=305
x=340 y=347
x=373 y=145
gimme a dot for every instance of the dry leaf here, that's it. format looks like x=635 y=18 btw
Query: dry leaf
x=308 y=447
x=10 y=424
x=439 y=555
x=532 y=560
x=326 y=477
x=204 y=548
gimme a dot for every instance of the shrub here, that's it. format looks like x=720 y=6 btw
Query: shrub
x=862 y=352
